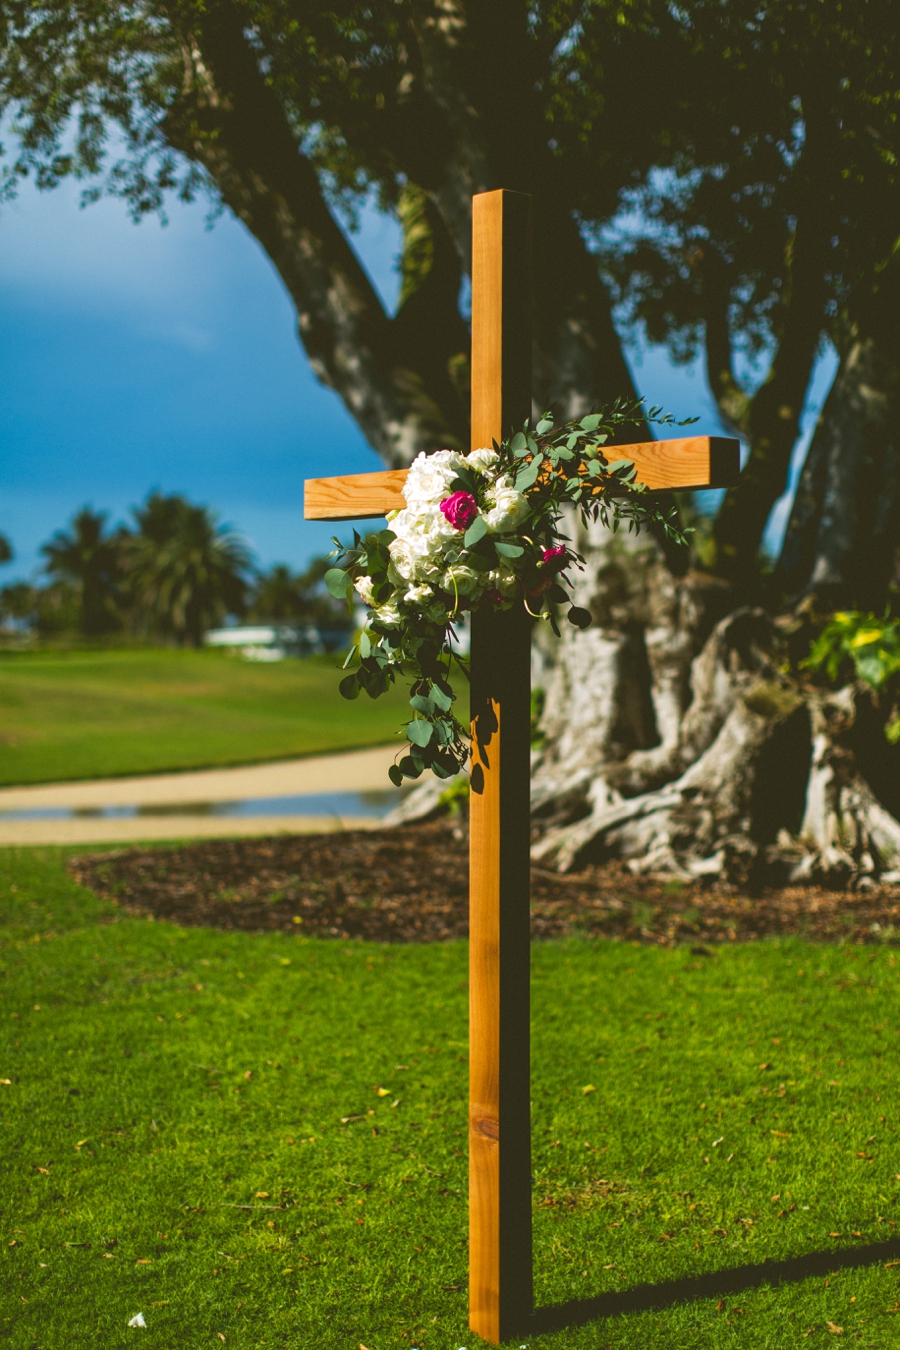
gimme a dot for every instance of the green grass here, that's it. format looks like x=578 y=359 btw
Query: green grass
x=87 y=714
x=158 y=1075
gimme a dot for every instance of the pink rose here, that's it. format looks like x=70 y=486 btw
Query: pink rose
x=460 y=509
x=556 y=559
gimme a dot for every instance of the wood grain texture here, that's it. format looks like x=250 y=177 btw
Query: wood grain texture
x=688 y=462
x=357 y=496
x=500 y=1254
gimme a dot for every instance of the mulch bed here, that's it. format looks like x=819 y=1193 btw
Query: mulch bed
x=410 y=885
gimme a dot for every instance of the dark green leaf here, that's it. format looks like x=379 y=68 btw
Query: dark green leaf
x=443 y=700
x=422 y=705
x=338 y=582
x=581 y=618
x=420 y=733
x=508 y=550
x=477 y=530
x=395 y=774
x=349 y=686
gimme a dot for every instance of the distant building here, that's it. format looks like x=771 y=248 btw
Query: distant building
x=271 y=642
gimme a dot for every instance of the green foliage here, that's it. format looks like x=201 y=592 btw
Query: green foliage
x=869 y=644
x=94 y=714
x=868 y=647
x=92 y=563
x=283 y=596
x=166 y=1084
x=553 y=467
x=185 y=571
x=170 y=579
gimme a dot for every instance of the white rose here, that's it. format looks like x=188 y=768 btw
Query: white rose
x=482 y=460
x=436 y=613
x=460 y=579
x=416 y=594
x=509 y=510
x=363 y=588
x=389 y=615
x=504 y=580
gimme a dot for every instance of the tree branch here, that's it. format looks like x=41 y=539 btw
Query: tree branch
x=231 y=122
x=773 y=418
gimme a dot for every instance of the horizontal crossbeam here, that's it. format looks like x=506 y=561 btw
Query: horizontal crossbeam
x=690 y=462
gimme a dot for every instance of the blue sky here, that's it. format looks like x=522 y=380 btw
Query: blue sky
x=141 y=357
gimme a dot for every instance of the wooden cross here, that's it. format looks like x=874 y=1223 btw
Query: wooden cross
x=500 y=1255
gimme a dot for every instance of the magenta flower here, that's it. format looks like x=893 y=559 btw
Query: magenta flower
x=460 y=509
x=556 y=559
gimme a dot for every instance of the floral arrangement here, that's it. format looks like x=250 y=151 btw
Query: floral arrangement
x=481 y=531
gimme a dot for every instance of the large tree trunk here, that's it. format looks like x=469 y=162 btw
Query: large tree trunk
x=671 y=734
x=755 y=774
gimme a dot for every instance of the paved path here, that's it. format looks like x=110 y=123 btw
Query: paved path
x=349 y=771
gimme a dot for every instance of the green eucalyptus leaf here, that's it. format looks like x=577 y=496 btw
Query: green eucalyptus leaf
x=365 y=645
x=508 y=550
x=477 y=530
x=409 y=768
x=439 y=696
x=591 y=422
x=395 y=774
x=349 y=686
x=528 y=476
x=544 y=425
x=419 y=732
x=338 y=582
x=581 y=618
x=422 y=705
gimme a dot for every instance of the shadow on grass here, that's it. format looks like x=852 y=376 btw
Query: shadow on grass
x=716 y=1284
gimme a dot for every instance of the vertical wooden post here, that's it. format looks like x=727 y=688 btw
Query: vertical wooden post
x=500 y=1257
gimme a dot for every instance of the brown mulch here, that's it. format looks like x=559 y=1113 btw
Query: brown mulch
x=410 y=884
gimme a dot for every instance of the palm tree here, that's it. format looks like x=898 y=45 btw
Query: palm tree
x=91 y=561
x=278 y=596
x=185 y=571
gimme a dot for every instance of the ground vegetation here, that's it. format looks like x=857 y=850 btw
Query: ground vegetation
x=76 y=714
x=261 y=1137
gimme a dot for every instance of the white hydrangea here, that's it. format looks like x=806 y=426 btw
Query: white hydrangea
x=429 y=478
x=425 y=552
x=421 y=528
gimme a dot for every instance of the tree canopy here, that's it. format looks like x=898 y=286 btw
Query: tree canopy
x=752 y=147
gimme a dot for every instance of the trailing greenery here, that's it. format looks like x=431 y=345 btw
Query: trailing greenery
x=262 y=1138
x=483 y=531
x=93 y=714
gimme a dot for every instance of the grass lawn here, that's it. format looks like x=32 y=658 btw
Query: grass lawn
x=92 y=714
x=169 y=1087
